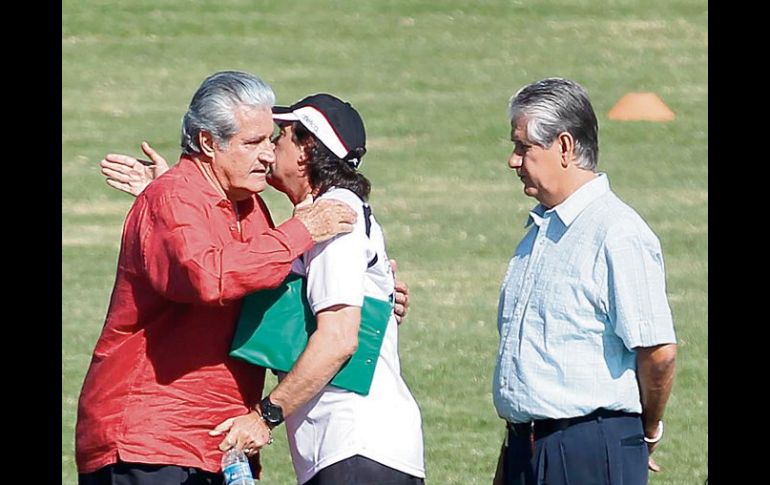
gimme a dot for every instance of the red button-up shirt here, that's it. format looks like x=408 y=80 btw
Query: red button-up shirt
x=160 y=377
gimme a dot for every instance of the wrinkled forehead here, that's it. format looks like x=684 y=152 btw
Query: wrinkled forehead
x=251 y=120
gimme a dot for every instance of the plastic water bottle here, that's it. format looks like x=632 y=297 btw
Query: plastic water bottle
x=236 y=469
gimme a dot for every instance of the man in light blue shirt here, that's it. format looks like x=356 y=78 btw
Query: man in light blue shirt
x=587 y=345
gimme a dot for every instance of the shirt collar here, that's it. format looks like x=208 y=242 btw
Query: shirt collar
x=198 y=181
x=573 y=205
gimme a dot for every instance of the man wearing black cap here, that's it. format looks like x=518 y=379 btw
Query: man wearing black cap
x=338 y=436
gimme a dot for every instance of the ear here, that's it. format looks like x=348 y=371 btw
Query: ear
x=306 y=148
x=206 y=142
x=566 y=148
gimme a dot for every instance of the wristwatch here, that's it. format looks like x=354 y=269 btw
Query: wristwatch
x=658 y=434
x=271 y=413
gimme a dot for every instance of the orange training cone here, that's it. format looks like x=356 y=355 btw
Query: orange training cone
x=641 y=107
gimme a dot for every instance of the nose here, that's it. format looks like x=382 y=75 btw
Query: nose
x=514 y=161
x=267 y=157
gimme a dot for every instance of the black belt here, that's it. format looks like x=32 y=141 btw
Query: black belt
x=544 y=427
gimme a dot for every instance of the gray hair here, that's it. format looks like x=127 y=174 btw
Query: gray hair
x=555 y=105
x=213 y=106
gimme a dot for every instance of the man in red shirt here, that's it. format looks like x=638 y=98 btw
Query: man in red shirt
x=194 y=243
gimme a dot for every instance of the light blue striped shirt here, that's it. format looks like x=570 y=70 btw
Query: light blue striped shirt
x=585 y=286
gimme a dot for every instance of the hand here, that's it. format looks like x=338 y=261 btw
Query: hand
x=326 y=218
x=247 y=432
x=132 y=175
x=657 y=432
x=402 y=295
x=652 y=465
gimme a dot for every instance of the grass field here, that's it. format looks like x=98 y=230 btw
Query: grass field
x=431 y=80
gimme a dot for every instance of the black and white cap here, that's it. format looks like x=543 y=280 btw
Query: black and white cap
x=333 y=121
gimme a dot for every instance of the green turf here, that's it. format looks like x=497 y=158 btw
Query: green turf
x=431 y=80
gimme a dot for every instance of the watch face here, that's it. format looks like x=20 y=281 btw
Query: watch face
x=271 y=412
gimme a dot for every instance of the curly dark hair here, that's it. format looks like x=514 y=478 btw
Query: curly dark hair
x=327 y=170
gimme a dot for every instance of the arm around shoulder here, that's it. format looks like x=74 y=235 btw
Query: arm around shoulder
x=188 y=261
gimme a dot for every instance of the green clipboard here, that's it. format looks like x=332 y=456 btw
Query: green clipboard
x=274 y=326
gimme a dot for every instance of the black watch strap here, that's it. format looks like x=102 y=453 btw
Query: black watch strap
x=271 y=412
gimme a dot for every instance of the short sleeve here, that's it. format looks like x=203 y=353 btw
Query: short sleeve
x=638 y=306
x=336 y=268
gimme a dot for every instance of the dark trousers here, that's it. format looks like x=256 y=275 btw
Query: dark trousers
x=603 y=451
x=359 y=470
x=122 y=473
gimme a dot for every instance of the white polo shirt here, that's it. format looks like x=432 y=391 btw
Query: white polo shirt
x=384 y=426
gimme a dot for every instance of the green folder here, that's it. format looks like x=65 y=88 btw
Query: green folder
x=274 y=326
